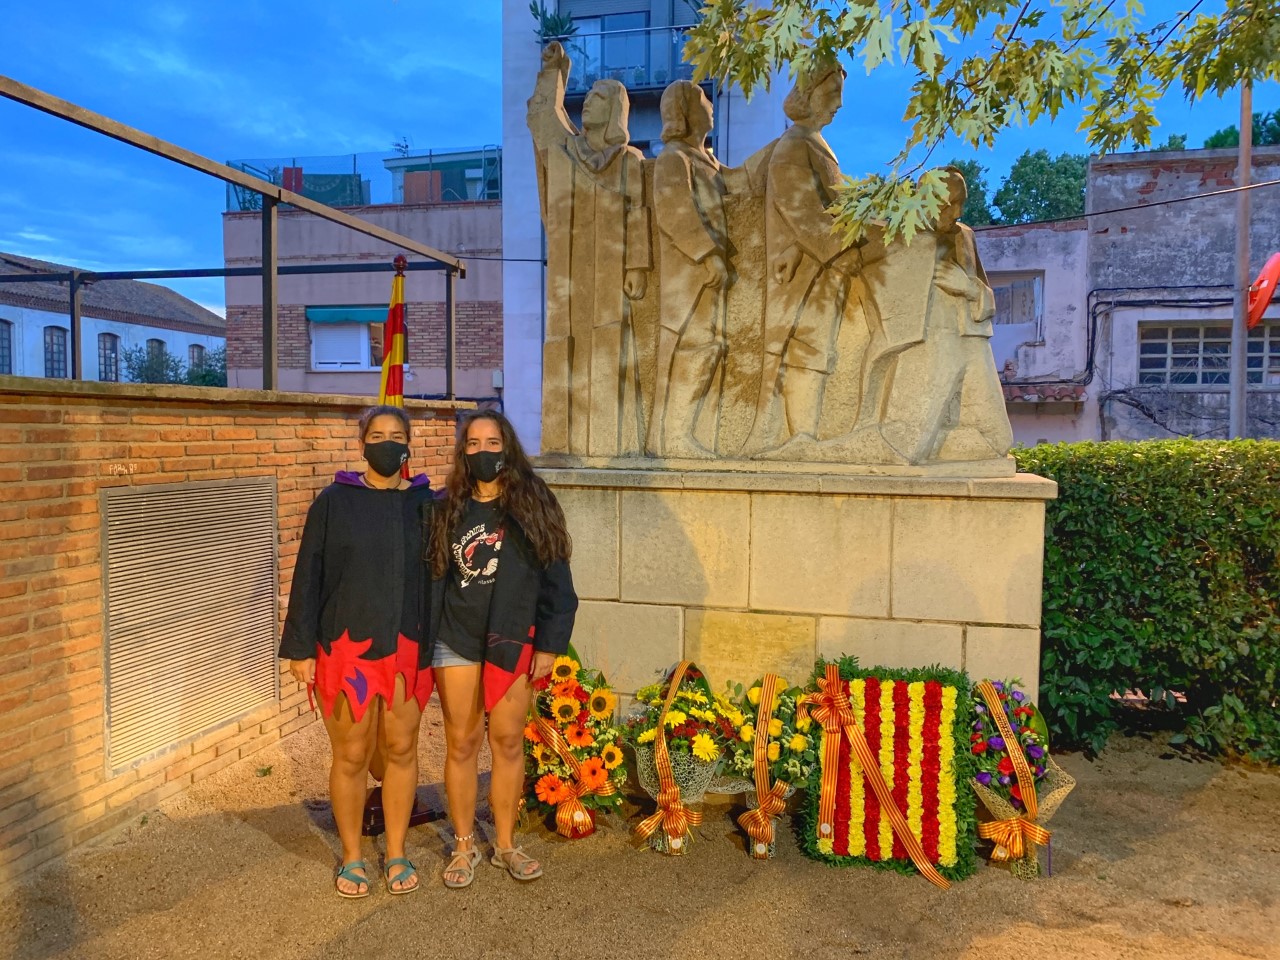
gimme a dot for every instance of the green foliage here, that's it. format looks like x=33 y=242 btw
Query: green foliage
x=551 y=26
x=212 y=373
x=1162 y=573
x=142 y=365
x=1174 y=141
x=1036 y=58
x=977 y=208
x=1266 y=133
x=1040 y=187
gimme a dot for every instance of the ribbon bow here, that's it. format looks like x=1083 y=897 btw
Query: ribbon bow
x=1010 y=834
x=672 y=814
x=571 y=812
x=1012 y=837
x=759 y=822
x=830 y=706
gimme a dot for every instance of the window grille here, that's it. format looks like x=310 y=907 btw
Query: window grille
x=108 y=357
x=1200 y=354
x=6 y=347
x=55 y=351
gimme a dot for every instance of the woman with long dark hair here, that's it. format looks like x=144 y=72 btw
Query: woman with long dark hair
x=502 y=609
x=353 y=635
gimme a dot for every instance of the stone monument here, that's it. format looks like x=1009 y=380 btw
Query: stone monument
x=771 y=443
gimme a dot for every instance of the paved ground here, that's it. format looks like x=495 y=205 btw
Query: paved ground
x=1154 y=857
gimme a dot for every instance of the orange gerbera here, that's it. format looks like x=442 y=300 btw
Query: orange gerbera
x=566 y=688
x=531 y=732
x=578 y=735
x=551 y=789
x=592 y=774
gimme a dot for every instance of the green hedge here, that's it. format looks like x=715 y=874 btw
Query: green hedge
x=1162 y=573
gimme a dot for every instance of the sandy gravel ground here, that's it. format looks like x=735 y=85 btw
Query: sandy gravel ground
x=1153 y=856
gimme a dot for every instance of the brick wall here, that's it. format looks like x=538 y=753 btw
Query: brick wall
x=478 y=336
x=61 y=443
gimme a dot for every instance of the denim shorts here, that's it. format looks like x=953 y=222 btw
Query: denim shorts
x=445 y=656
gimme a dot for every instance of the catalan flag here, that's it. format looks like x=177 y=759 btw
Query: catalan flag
x=393 y=342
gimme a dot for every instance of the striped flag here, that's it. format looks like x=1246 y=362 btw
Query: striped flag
x=393 y=342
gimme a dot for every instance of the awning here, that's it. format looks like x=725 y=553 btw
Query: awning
x=346 y=314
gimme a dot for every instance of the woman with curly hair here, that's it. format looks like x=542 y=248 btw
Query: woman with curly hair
x=502 y=609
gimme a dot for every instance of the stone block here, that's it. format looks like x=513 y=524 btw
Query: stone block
x=592 y=515
x=686 y=548
x=1004 y=653
x=739 y=647
x=968 y=560
x=892 y=643
x=632 y=643
x=820 y=554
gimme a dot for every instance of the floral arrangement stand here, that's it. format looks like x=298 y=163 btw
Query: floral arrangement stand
x=887 y=790
x=1021 y=794
x=571 y=744
x=699 y=730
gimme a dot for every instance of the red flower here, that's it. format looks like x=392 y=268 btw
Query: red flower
x=980 y=747
x=583 y=716
x=1005 y=766
x=581 y=694
x=1015 y=790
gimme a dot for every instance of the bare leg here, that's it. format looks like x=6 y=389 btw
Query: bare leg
x=506 y=741
x=348 y=777
x=400 y=725
x=462 y=703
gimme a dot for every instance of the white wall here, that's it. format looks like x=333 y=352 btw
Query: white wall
x=28 y=339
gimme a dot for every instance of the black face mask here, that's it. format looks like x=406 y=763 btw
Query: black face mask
x=386 y=457
x=485 y=465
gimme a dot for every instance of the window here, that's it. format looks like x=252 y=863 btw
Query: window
x=346 y=338
x=55 y=351
x=155 y=349
x=195 y=357
x=6 y=347
x=613 y=47
x=1019 y=298
x=108 y=357
x=1200 y=354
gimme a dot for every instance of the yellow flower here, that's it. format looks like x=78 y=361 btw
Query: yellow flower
x=804 y=723
x=611 y=756
x=775 y=727
x=647 y=736
x=564 y=668
x=747 y=733
x=676 y=717
x=565 y=709
x=775 y=750
x=704 y=748
x=798 y=743
x=706 y=715
x=694 y=696
x=753 y=695
x=602 y=704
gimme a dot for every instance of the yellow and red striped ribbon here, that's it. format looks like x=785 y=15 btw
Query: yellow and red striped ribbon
x=571 y=813
x=830 y=706
x=759 y=822
x=1011 y=833
x=672 y=815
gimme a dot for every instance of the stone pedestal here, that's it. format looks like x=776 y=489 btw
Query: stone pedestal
x=751 y=573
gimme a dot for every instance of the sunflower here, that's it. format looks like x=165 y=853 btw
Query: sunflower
x=592 y=774
x=611 y=756
x=542 y=756
x=704 y=748
x=551 y=789
x=531 y=732
x=578 y=735
x=564 y=668
x=602 y=704
x=564 y=709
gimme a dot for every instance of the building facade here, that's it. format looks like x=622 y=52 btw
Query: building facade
x=329 y=325
x=1131 y=336
x=116 y=316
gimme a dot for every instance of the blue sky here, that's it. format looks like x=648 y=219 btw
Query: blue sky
x=282 y=78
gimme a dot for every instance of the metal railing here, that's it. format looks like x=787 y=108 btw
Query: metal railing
x=641 y=59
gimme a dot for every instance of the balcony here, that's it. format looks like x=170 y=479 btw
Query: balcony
x=641 y=59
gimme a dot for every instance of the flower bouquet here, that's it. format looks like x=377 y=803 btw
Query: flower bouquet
x=774 y=752
x=679 y=736
x=572 y=750
x=1016 y=779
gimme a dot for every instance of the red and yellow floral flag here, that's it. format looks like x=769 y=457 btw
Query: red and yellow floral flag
x=393 y=342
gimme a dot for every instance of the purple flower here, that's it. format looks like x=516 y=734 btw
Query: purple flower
x=980 y=708
x=1034 y=751
x=983 y=778
x=997 y=684
x=1018 y=695
x=1004 y=781
x=995 y=743
x=1017 y=804
x=1039 y=771
x=977 y=725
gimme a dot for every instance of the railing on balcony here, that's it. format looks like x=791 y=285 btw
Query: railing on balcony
x=642 y=59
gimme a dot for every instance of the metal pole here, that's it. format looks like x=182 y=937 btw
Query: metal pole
x=450 y=328
x=75 y=365
x=270 y=340
x=1238 y=424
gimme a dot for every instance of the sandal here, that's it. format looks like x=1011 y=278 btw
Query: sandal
x=409 y=871
x=515 y=861
x=347 y=872
x=463 y=862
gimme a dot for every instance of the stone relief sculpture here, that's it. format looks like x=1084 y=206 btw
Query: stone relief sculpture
x=599 y=252
x=757 y=314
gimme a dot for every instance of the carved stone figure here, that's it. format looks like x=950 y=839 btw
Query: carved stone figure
x=688 y=202
x=598 y=254
x=809 y=269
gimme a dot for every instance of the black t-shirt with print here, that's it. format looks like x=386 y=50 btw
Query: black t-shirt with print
x=474 y=549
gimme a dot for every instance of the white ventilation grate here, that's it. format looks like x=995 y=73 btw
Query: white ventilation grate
x=190 y=584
